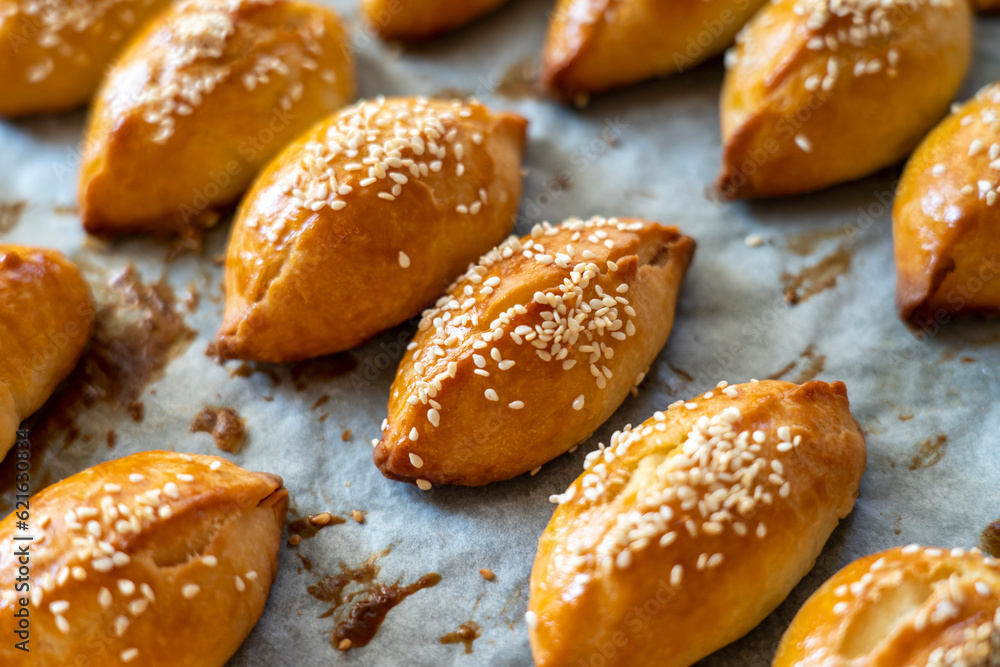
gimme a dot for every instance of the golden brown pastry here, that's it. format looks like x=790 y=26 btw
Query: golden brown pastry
x=423 y=19
x=46 y=318
x=154 y=559
x=820 y=92
x=910 y=606
x=594 y=45
x=685 y=532
x=988 y=6
x=531 y=350
x=207 y=93
x=53 y=53
x=364 y=221
x=946 y=221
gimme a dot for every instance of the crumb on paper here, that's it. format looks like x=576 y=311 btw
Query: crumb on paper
x=358 y=516
x=344 y=644
x=487 y=574
x=294 y=540
x=346 y=435
x=321 y=519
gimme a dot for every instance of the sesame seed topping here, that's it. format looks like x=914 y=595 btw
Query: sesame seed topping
x=380 y=144
x=135 y=478
x=190 y=590
x=404 y=260
x=423 y=485
x=128 y=655
x=416 y=460
x=716 y=482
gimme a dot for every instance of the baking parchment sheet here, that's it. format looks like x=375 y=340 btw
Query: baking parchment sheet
x=928 y=406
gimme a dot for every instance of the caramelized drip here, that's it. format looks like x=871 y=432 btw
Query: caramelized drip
x=224 y=424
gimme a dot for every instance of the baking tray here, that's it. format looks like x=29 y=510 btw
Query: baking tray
x=815 y=300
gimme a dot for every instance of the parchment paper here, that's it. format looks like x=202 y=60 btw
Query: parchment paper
x=650 y=151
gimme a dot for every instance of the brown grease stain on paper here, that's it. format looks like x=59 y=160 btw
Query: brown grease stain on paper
x=811 y=280
x=929 y=452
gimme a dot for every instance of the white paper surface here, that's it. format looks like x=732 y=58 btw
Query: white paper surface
x=732 y=323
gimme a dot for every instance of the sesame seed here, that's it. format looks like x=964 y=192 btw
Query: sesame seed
x=190 y=590
x=491 y=395
x=240 y=584
x=128 y=655
x=404 y=260
x=135 y=478
x=803 y=142
x=516 y=405
x=423 y=485
x=416 y=460
x=414 y=434
x=578 y=402
x=531 y=620
x=104 y=598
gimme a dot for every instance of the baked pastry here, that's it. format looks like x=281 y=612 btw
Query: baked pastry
x=53 y=53
x=422 y=19
x=154 y=559
x=364 y=221
x=531 y=350
x=946 y=217
x=905 y=606
x=819 y=92
x=684 y=533
x=202 y=99
x=46 y=318
x=988 y=6
x=595 y=45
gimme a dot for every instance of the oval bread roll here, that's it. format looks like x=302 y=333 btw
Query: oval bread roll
x=531 y=350
x=595 y=45
x=204 y=96
x=154 y=559
x=820 y=92
x=946 y=221
x=685 y=532
x=905 y=606
x=53 y=53
x=423 y=19
x=46 y=318
x=364 y=221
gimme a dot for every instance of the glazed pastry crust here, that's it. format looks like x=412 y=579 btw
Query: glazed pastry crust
x=946 y=216
x=423 y=19
x=602 y=575
x=302 y=282
x=909 y=606
x=535 y=403
x=596 y=45
x=175 y=586
x=798 y=116
x=46 y=318
x=988 y=6
x=200 y=101
x=54 y=53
